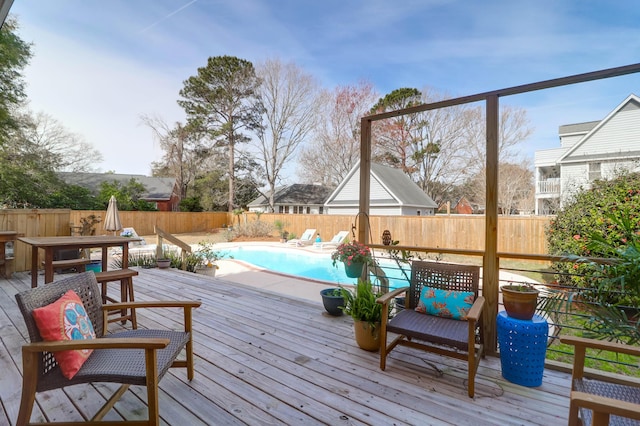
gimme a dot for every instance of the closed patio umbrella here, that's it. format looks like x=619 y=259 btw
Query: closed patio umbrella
x=112 y=219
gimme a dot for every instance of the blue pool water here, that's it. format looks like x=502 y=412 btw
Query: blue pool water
x=308 y=265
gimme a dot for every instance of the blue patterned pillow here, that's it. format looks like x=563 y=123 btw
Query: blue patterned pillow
x=445 y=303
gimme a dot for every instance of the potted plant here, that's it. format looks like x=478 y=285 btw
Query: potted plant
x=284 y=235
x=164 y=262
x=332 y=300
x=360 y=304
x=354 y=255
x=205 y=258
x=520 y=300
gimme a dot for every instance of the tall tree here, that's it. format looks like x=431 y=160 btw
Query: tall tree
x=395 y=137
x=14 y=57
x=426 y=145
x=66 y=151
x=288 y=96
x=222 y=101
x=335 y=146
x=183 y=152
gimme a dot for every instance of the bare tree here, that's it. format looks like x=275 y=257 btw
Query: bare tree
x=66 y=151
x=336 y=142
x=427 y=145
x=288 y=97
x=515 y=187
x=514 y=129
x=183 y=153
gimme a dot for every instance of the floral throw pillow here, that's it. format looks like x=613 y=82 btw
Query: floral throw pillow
x=445 y=303
x=66 y=319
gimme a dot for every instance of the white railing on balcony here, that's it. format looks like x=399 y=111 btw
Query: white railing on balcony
x=549 y=186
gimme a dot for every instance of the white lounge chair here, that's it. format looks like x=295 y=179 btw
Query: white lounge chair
x=336 y=240
x=306 y=239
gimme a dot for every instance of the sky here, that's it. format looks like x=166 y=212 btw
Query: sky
x=98 y=66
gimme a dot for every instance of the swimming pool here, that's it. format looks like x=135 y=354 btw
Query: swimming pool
x=315 y=266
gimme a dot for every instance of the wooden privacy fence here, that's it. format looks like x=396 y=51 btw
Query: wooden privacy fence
x=516 y=234
x=172 y=222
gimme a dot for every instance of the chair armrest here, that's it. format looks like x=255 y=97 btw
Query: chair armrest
x=385 y=298
x=476 y=309
x=101 y=343
x=601 y=345
x=601 y=404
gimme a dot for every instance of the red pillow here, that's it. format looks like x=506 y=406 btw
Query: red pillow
x=66 y=319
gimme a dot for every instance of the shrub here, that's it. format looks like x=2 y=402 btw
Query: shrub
x=593 y=212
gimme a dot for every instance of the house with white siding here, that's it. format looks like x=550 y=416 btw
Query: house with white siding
x=392 y=193
x=588 y=151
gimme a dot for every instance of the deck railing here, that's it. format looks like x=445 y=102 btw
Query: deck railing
x=548 y=186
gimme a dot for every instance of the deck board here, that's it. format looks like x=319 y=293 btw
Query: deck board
x=268 y=358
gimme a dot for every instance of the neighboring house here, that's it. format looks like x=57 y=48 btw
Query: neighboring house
x=162 y=192
x=589 y=151
x=462 y=206
x=295 y=199
x=392 y=193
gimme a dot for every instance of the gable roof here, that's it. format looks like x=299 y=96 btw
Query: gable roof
x=631 y=102
x=156 y=188
x=397 y=184
x=298 y=193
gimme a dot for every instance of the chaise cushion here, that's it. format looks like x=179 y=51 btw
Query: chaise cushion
x=66 y=319
x=445 y=303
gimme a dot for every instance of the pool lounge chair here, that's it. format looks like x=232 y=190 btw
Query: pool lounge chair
x=337 y=239
x=306 y=239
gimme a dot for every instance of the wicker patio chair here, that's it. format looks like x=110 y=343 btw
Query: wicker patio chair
x=602 y=400
x=129 y=357
x=459 y=339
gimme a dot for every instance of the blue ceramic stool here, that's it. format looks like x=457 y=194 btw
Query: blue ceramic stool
x=523 y=347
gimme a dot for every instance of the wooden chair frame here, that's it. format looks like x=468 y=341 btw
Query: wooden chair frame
x=595 y=399
x=160 y=349
x=429 y=333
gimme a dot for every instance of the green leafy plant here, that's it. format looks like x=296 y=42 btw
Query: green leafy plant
x=360 y=303
x=588 y=213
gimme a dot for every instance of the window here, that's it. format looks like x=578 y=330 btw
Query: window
x=595 y=171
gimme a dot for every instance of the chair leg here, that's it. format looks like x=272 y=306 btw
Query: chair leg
x=29 y=384
x=152 y=386
x=134 y=319
x=123 y=297
x=573 y=414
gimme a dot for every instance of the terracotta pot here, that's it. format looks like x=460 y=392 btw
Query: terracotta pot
x=367 y=337
x=519 y=302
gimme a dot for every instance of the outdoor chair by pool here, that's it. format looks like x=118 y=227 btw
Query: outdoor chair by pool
x=130 y=357
x=335 y=241
x=306 y=239
x=601 y=401
x=441 y=315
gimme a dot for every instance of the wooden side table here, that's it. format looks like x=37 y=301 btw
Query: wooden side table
x=7 y=257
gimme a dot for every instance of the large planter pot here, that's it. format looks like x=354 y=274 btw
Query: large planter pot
x=163 y=263
x=205 y=270
x=331 y=302
x=519 y=301
x=367 y=337
x=354 y=270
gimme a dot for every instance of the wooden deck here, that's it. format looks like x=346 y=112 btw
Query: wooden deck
x=264 y=358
